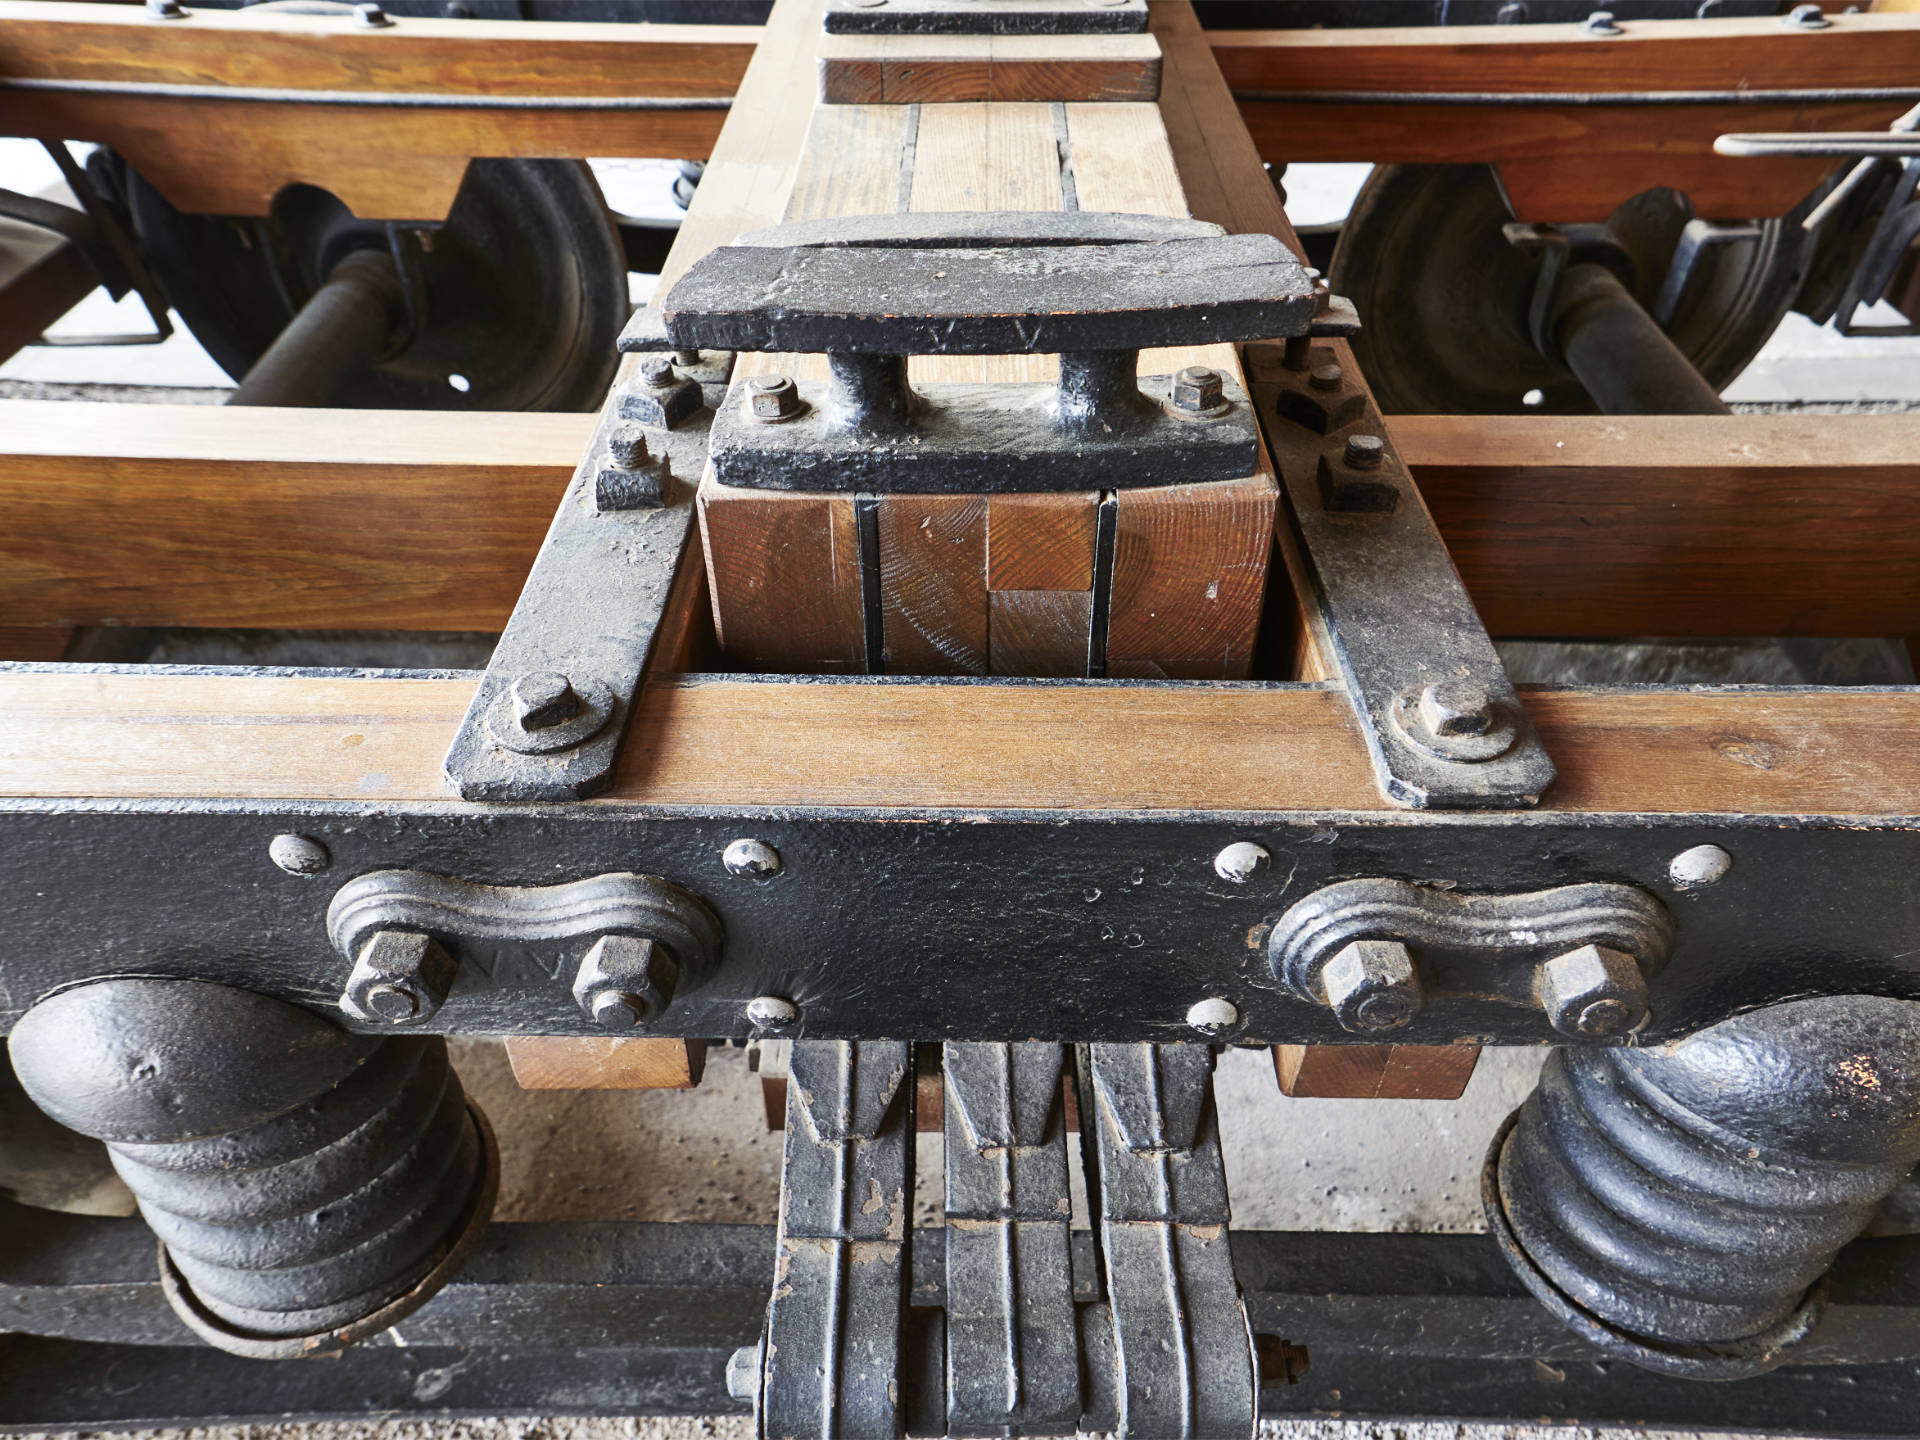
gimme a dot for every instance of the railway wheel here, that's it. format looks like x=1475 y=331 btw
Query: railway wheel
x=1444 y=298
x=514 y=303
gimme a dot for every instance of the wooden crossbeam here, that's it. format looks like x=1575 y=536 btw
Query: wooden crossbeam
x=1560 y=525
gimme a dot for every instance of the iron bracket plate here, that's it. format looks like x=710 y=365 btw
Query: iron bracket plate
x=986 y=17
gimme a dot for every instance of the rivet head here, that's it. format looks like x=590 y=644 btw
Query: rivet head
x=1457 y=707
x=166 y=9
x=1364 y=452
x=1241 y=861
x=1702 y=865
x=743 y=1372
x=298 y=855
x=372 y=17
x=1198 y=390
x=1806 y=17
x=544 y=699
x=771 y=1012
x=627 y=447
x=751 y=859
x=1327 y=377
x=1600 y=23
x=1213 y=1016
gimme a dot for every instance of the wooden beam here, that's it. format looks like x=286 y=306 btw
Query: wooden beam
x=1560 y=525
x=1119 y=747
x=1709 y=525
x=376 y=116
x=645 y=1062
x=914 y=69
x=1375 y=1072
x=42 y=277
x=1311 y=95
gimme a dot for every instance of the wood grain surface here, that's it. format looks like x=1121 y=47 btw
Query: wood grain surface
x=1375 y=1072
x=592 y=1062
x=915 y=69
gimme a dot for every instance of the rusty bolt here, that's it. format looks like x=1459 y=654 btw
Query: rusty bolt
x=1372 y=986
x=543 y=700
x=399 y=977
x=1364 y=452
x=773 y=397
x=1327 y=377
x=656 y=371
x=686 y=357
x=1456 y=707
x=1600 y=25
x=627 y=447
x=1593 y=992
x=1197 y=390
x=624 y=981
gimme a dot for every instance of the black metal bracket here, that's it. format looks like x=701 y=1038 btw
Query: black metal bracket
x=986 y=17
x=1091 y=287
x=1442 y=722
x=548 y=717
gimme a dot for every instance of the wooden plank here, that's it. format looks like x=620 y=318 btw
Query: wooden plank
x=1572 y=161
x=385 y=157
x=911 y=747
x=34 y=643
x=42 y=277
x=200 y=515
x=916 y=69
x=1709 y=526
x=1375 y=1072
x=558 y=1062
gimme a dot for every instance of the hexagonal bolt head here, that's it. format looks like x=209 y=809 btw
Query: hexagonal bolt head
x=1197 y=390
x=1364 y=452
x=624 y=981
x=1327 y=377
x=773 y=397
x=1372 y=986
x=1593 y=992
x=1456 y=707
x=657 y=371
x=399 y=977
x=544 y=699
x=627 y=447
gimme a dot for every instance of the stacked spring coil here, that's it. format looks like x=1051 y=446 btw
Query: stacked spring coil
x=1679 y=1205
x=308 y=1186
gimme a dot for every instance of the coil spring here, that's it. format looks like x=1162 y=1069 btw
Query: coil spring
x=291 y=1200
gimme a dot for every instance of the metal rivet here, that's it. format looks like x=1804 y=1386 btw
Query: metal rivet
x=627 y=447
x=751 y=859
x=166 y=9
x=1805 y=17
x=1364 y=452
x=372 y=17
x=297 y=855
x=743 y=1372
x=1457 y=707
x=1327 y=377
x=543 y=700
x=1213 y=1016
x=1600 y=24
x=771 y=1012
x=1702 y=865
x=1241 y=861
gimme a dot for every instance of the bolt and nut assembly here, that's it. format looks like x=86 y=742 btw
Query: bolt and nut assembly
x=1372 y=986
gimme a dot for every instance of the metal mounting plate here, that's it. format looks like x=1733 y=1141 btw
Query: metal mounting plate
x=986 y=17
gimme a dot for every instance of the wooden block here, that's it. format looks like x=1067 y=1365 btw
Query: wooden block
x=34 y=642
x=784 y=572
x=1089 y=67
x=1039 y=632
x=1041 y=542
x=773 y=1101
x=919 y=70
x=851 y=80
x=933 y=583
x=1375 y=1072
x=565 y=1062
x=1189 y=578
